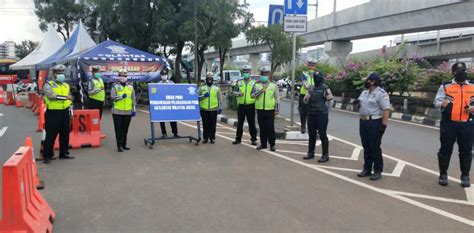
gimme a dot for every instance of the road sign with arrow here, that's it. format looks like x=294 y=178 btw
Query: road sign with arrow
x=296 y=7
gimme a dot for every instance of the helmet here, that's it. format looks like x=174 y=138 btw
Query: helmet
x=59 y=68
x=264 y=69
x=209 y=74
x=246 y=67
x=122 y=71
x=311 y=62
x=96 y=68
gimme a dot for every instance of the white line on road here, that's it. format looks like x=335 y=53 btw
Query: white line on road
x=302 y=153
x=356 y=153
x=470 y=194
x=3 y=130
x=397 y=171
x=432 y=197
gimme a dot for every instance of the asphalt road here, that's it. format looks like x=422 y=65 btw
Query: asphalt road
x=180 y=187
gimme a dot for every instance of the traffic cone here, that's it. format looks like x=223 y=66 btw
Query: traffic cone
x=19 y=104
x=41 y=118
x=2 y=101
x=38 y=183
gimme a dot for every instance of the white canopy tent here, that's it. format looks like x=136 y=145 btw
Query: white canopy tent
x=50 y=43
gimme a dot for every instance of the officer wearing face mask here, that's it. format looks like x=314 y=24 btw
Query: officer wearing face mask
x=319 y=100
x=58 y=101
x=96 y=90
x=123 y=109
x=455 y=100
x=246 y=106
x=174 y=125
x=210 y=104
x=267 y=100
x=374 y=113
x=306 y=83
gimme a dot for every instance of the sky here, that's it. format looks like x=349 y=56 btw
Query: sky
x=18 y=21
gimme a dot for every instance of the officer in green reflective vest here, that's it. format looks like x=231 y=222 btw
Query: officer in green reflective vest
x=246 y=106
x=96 y=90
x=267 y=101
x=210 y=104
x=58 y=99
x=306 y=83
x=123 y=109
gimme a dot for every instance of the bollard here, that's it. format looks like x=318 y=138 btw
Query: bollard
x=405 y=105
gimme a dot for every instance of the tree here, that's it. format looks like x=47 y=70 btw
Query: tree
x=232 y=20
x=279 y=43
x=62 y=14
x=24 y=48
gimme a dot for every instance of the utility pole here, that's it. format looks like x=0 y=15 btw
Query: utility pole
x=196 y=75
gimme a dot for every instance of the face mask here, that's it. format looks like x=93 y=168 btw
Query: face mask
x=209 y=82
x=460 y=77
x=97 y=75
x=246 y=75
x=60 y=77
x=264 y=79
x=164 y=77
x=122 y=79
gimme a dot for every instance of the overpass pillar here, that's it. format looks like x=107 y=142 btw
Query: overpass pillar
x=338 y=52
x=254 y=60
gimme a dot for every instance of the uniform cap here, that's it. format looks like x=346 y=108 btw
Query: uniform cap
x=96 y=68
x=375 y=77
x=59 y=68
x=265 y=69
x=246 y=67
x=122 y=71
x=458 y=66
x=209 y=74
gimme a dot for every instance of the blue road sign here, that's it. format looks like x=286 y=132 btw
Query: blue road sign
x=173 y=102
x=275 y=14
x=296 y=7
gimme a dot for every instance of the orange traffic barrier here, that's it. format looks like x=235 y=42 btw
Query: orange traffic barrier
x=2 y=101
x=85 y=130
x=24 y=208
x=19 y=104
x=41 y=117
x=35 y=106
x=38 y=183
x=10 y=99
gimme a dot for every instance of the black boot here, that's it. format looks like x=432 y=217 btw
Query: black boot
x=465 y=164
x=324 y=158
x=465 y=181
x=119 y=149
x=125 y=148
x=443 y=163
x=204 y=141
x=310 y=155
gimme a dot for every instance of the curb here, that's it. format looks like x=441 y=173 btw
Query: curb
x=393 y=115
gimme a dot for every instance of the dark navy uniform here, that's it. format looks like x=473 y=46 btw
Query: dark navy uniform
x=372 y=106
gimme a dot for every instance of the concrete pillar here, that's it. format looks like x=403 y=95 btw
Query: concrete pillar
x=254 y=60
x=338 y=51
x=229 y=61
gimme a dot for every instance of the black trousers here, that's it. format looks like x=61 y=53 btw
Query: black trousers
x=371 y=141
x=56 y=122
x=450 y=132
x=174 y=128
x=96 y=104
x=246 y=111
x=303 y=109
x=318 y=124
x=266 y=122
x=121 y=125
x=209 y=120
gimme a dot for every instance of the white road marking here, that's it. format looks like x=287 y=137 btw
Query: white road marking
x=469 y=192
x=356 y=153
x=359 y=183
x=303 y=153
x=397 y=171
x=351 y=170
x=432 y=197
x=3 y=130
x=1 y=114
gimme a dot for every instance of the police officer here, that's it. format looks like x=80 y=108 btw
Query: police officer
x=306 y=83
x=246 y=106
x=267 y=101
x=123 y=109
x=174 y=125
x=455 y=100
x=96 y=90
x=319 y=100
x=58 y=101
x=210 y=104
x=374 y=113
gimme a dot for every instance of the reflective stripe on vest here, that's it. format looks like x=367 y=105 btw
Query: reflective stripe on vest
x=123 y=104
x=62 y=90
x=98 y=84
x=461 y=98
x=246 y=88
x=266 y=100
x=211 y=102
x=309 y=78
